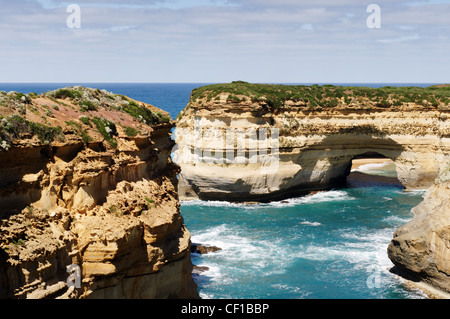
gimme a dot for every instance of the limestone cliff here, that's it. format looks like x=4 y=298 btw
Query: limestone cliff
x=87 y=184
x=421 y=249
x=254 y=142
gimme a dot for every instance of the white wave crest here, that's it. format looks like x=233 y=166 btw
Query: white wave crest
x=310 y=223
x=324 y=196
x=370 y=167
x=320 y=197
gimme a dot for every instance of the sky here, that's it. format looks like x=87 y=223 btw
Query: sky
x=217 y=41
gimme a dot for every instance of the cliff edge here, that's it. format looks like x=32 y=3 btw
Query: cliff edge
x=420 y=250
x=88 y=200
x=259 y=142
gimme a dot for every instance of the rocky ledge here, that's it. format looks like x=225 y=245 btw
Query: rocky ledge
x=259 y=142
x=88 y=200
x=420 y=250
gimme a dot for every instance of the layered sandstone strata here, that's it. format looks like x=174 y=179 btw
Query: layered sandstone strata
x=234 y=145
x=420 y=249
x=88 y=200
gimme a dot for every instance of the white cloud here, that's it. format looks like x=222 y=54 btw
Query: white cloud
x=401 y=39
x=433 y=15
x=209 y=40
x=428 y=2
x=136 y=4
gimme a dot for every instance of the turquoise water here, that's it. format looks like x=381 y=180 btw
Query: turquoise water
x=328 y=245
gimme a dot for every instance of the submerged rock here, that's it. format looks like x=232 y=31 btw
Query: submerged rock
x=203 y=249
x=200 y=269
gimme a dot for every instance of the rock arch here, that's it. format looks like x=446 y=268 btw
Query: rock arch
x=363 y=173
x=314 y=154
x=327 y=161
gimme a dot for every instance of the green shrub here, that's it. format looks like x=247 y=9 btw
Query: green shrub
x=331 y=103
x=130 y=131
x=14 y=127
x=86 y=137
x=162 y=118
x=67 y=93
x=384 y=104
x=107 y=129
x=320 y=96
x=145 y=115
x=76 y=126
x=87 y=106
x=78 y=129
x=85 y=120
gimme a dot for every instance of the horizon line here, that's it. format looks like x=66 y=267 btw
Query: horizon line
x=219 y=82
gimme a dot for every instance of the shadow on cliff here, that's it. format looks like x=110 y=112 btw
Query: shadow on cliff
x=360 y=180
x=20 y=177
x=324 y=165
x=338 y=151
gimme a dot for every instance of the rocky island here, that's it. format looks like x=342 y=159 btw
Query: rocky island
x=88 y=200
x=245 y=142
x=261 y=142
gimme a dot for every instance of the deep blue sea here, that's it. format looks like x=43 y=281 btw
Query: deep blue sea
x=330 y=245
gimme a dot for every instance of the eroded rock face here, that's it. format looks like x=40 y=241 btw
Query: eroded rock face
x=240 y=149
x=106 y=208
x=421 y=248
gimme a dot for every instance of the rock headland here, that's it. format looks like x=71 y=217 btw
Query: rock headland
x=420 y=250
x=88 y=200
x=243 y=142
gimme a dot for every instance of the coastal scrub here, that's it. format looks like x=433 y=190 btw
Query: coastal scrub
x=324 y=96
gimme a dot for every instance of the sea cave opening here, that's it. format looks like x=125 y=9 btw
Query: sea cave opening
x=372 y=169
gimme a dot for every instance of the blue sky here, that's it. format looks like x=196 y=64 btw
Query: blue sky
x=284 y=41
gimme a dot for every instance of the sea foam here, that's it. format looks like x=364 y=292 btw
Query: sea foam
x=277 y=250
x=323 y=196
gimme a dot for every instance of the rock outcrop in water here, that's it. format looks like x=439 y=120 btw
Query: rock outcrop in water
x=250 y=142
x=420 y=250
x=88 y=200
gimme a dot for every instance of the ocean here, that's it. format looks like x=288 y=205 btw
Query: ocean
x=329 y=245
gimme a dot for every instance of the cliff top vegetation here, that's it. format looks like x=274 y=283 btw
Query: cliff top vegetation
x=90 y=114
x=323 y=96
